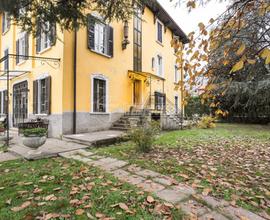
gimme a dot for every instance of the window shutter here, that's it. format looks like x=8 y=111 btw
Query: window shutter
x=48 y=95
x=53 y=34
x=5 y=101
x=3 y=23
x=91 y=32
x=17 y=51
x=110 y=43
x=156 y=101
x=8 y=20
x=35 y=97
x=26 y=46
x=38 y=38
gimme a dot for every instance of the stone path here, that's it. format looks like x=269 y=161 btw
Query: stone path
x=182 y=196
x=8 y=156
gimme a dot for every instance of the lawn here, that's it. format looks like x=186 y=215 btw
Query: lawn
x=231 y=162
x=64 y=189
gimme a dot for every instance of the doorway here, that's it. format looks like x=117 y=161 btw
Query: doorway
x=20 y=103
x=137 y=94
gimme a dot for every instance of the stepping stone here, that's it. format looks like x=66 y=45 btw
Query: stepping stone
x=120 y=174
x=107 y=160
x=114 y=166
x=213 y=202
x=151 y=186
x=135 y=180
x=171 y=196
x=184 y=189
x=147 y=173
x=213 y=215
x=68 y=154
x=165 y=180
x=238 y=213
x=194 y=208
x=133 y=168
x=85 y=153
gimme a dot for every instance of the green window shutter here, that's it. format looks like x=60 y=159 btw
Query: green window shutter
x=35 y=97
x=53 y=34
x=91 y=31
x=110 y=39
x=26 y=46
x=48 y=95
x=38 y=38
x=17 y=51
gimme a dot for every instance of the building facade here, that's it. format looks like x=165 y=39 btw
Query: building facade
x=103 y=72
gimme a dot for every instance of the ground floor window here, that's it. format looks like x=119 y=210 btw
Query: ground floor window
x=160 y=101
x=176 y=100
x=3 y=102
x=42 y=95
x=99 y=95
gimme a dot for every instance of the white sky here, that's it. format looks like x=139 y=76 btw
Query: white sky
x=189 y=21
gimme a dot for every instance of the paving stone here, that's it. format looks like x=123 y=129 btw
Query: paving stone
x=8 y=156
x=85 y=153
x=213 y=216
x=107 y=160
x=96 y=157
x=183 y=188
x=135 y=180
x=240 y=213
x=113 y=166
x=68 y=154
x=133 y=168
x=193 y=207
x=120 y=174
x=172 y=196
x=85 y=159
x=148 y=173
x=150 y=186
x=213 y=202
x=165 y=180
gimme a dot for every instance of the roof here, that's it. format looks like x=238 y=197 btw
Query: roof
x=168 y=21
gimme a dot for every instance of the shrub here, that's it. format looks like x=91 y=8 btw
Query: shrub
x=145 y=136
x=207 y=122
x=39 y=132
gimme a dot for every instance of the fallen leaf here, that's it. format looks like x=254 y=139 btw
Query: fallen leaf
x=150 y=199
x=123 y=206
x=206 y=191
x=23 y=206
x=79 y=212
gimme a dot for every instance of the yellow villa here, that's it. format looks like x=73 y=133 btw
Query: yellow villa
x=96 y=76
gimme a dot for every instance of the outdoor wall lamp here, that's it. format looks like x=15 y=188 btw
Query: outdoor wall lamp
x=125 y=41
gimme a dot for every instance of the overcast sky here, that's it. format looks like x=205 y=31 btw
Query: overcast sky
x=189 y=21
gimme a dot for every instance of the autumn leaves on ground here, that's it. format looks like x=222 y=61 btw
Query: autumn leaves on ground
x=231 y=162
x=62 y=189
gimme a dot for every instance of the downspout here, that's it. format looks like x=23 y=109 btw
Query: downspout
x=75 y=84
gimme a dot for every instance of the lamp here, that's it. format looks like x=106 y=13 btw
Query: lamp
x=125 y=41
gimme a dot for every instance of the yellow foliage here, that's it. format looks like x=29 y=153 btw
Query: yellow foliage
x=265 y=54
x=252 y=62
x=201 y=26
x=191 y=4
x=207 y=122
x=241 y=50
x=238 y=66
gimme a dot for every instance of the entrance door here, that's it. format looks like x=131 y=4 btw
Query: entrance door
x=137 y=94
x=20 y=103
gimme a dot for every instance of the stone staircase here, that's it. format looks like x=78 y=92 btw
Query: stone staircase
x=128 y=120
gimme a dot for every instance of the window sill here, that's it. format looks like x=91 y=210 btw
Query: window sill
x=160 y=43
x=44 y=50
x=102 y=54
x=99 y=113
x=21 y=63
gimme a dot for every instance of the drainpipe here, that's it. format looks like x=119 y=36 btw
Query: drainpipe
x=75 y=84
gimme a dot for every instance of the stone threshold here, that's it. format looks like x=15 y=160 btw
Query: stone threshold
x=182 y=196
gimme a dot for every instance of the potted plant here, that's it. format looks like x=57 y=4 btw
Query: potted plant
x=34 y=137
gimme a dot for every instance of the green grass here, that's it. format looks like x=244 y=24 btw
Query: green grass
x=60 y=178
x=231 y=159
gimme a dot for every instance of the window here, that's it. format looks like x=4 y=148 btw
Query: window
x=5 y=22
x=42 y=96
x=176 y=101
x=176 y=74
x=159 y=70
x=99 y=95
x=6 y=61
x=100 y=36
x=22 y=47
x=137 y=45
x=3 y=102
x=46 y=36
x=160 y=101
x=159 y=32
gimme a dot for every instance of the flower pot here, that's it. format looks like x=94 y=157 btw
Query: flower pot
x=34 y=141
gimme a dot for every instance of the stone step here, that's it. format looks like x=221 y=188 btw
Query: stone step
x=119 y=128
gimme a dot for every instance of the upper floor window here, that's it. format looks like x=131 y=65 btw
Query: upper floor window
x=176 y=74
x=159 y=67
x=5 y=22
x=100 y=36
x=6 y=51
x=46 y=36
x=159 y=32
x=42 y=95
x=22 y=47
